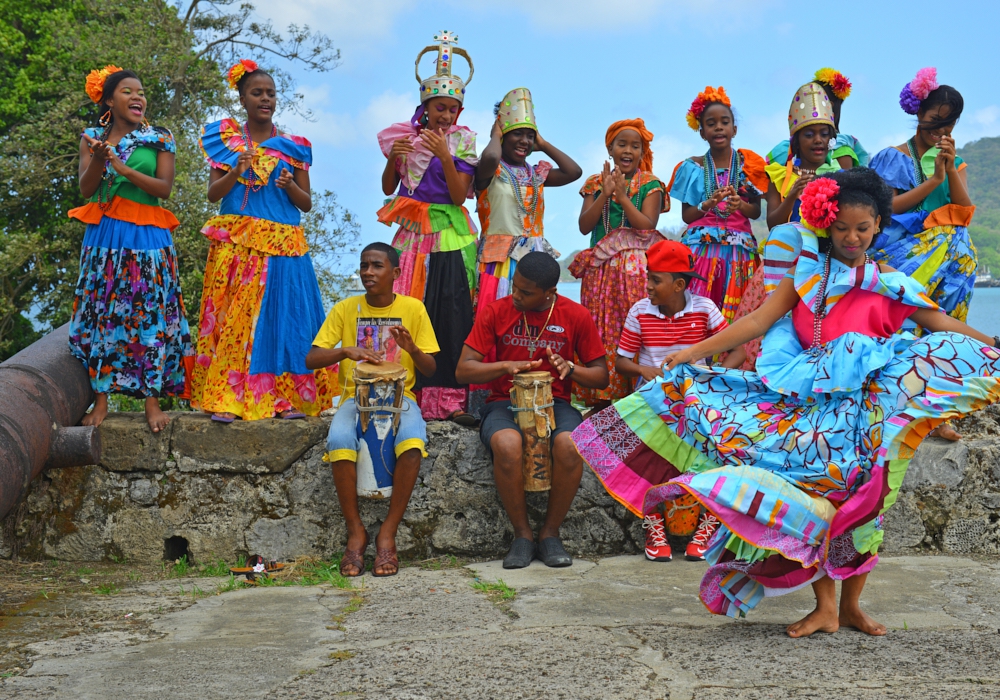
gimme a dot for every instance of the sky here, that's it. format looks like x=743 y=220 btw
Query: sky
x=589 y=63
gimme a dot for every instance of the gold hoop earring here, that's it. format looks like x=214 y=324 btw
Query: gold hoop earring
x=145 y=122
x=105 y=118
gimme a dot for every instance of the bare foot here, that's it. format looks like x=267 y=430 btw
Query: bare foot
x=819 y=620
x=946 y=432
x=98 y=413
x=156 y=418
x=859 y=620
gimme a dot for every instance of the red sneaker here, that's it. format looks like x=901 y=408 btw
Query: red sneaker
x=699 y=542
x=657 y=547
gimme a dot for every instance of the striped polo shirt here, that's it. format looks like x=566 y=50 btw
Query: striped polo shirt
x=655 y=336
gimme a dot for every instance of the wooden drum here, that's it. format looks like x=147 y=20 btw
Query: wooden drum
x=531 y=401
x=378 y=394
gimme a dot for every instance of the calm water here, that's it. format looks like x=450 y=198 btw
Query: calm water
x=984 y=312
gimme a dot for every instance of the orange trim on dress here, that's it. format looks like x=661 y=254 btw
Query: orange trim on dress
x=126 y=210
x=950 y=215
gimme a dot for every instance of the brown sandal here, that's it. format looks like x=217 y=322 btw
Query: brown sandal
x=385 y=557
x=354 y=558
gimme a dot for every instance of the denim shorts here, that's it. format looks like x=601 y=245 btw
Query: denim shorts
x=498 y=416
x=342 y=441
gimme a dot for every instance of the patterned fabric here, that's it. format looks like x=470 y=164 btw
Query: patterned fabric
x=643 y=182
x=753 y=296
x=128 y=325
x=726 y=267
x=801 y=461
x=930 y=243
x=436 y=241
x=613 y=278
x=260 y=304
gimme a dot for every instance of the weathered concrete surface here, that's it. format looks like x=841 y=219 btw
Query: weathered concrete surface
x=618 y=628
x=262 y=487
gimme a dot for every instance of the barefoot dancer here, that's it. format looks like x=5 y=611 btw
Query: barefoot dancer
x=432 y=160
x=128 y=325
x=260 y=305
x=801 y=462
x=405 y=320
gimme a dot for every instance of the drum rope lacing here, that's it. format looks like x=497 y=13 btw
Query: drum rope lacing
x=536 y=407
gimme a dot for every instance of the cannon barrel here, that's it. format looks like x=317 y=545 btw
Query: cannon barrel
x=44 y=392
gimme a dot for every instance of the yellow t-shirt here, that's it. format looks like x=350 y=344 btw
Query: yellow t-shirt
x=353 y=323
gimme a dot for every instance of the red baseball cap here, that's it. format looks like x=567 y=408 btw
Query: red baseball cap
x=671 y=256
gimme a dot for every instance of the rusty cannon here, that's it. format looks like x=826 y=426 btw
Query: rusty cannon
x=44 y=392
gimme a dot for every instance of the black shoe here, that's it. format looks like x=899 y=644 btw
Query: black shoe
x=522 y=551
x=551 y=552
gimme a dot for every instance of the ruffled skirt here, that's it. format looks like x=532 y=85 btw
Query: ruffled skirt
x=727 y=260
x=799 y=480
x=437 y=257
x=128 y=325
x=259 y=316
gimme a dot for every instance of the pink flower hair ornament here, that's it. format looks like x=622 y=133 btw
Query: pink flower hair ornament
x=818 y=205
x=917 y=90
x=239 y=69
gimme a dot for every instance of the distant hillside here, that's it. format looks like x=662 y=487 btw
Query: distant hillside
x=983 y=157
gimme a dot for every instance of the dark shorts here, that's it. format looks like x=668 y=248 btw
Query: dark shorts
x=498 y=416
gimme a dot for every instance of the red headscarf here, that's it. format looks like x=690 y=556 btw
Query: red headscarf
x=639 y=126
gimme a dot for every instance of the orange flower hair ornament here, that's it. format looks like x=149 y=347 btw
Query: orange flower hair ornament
x=241 y=68
x=705 y=98
x=836 y=81
x=96 y=79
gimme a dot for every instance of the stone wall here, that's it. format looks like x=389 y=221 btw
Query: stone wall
x=262 y=487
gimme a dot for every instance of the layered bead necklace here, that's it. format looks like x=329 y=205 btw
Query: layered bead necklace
x=515 y=185
x=816 y=348
x=107 y=177
x=918 y=172
x=712 y=179
x=253 y=183
x=606 y=211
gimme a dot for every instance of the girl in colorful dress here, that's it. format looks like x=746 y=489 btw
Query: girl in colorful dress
x=260 y=304
x=432 y=160
x=620 y=209
x=791 y=165
x=718 y=204
x=928 y=237
x=801 y=461
x=511 y=201
x=128 y=325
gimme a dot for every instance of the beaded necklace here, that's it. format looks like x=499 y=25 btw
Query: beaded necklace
x=533 y=342
x=253 y=184
x=606 y=211
x=911 y=146
x=107 y=177
x=816 y=348
x=516 y=187
x=712 y=179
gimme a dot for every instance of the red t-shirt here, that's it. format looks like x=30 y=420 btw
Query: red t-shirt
x=570 y=333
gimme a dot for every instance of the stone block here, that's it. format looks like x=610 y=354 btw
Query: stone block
x=128 y=445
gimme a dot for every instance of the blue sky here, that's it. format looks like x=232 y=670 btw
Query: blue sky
x=588 y=63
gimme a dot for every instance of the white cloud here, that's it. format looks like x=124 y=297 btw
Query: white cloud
x=351 y=24
x=345 y=129
x=981 y=123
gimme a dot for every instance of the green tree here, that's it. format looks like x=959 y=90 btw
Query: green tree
x=179 y=51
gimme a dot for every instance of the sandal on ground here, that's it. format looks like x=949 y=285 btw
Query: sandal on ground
x=354 y=558
x=385 y=557
x=466 y=420
x=551 y=552
x=223 y=417
x=522 y=551
x=291 y=415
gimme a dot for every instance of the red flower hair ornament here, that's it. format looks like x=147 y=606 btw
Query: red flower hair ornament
x=818 y=204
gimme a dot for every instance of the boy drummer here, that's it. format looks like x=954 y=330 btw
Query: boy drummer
x=377 y=326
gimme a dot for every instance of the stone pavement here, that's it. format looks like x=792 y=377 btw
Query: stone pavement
x=617 y=628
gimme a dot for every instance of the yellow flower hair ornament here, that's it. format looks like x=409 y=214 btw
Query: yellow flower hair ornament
x=96 y=79
x=836 y=81
x=241 y=68
x=705 y=98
